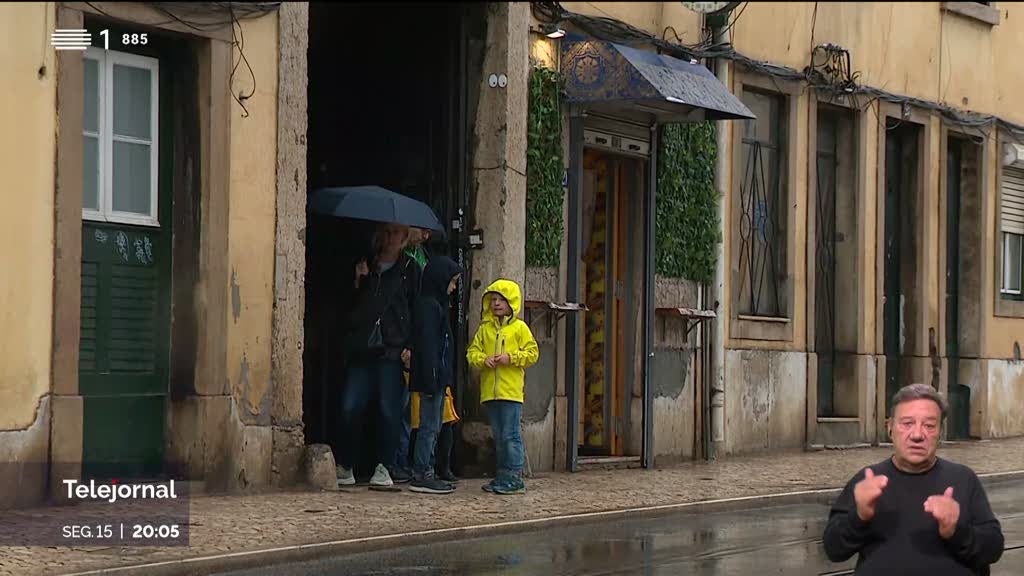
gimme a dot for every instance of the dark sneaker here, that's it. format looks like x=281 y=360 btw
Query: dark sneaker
x=489 y=487
x=510 y=485
x=431 y=486
x=400 y=475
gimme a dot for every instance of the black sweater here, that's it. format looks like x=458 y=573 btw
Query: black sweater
x=903 y=539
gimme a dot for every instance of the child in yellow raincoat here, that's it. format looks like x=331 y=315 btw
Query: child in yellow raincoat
x=502 y=349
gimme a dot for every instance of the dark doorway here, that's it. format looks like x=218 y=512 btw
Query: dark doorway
x=388 y=106
x=836 y=222
x=902 y=211
x=957 y=400
x=963 y=274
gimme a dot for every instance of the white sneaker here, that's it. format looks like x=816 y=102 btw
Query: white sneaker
x=381 y=477
x=345 y=477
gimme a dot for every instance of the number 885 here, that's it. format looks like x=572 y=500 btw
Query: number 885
x=134 y=39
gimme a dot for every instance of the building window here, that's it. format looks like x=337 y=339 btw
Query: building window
x=1012 y=264
x=762 y=259
x=1011 y=217
x=120 y=138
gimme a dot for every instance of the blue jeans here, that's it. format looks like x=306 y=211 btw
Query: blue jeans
x=508 y=443
x=380 y=381
x=431 y=407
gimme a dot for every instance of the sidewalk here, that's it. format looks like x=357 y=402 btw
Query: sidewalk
x=237 y=523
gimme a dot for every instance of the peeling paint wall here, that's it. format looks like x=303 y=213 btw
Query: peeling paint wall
x=27 y=155
x=253 y=212
x=539 y=405
x=673 y=404
x=211 y=437
x=1005 y=406
x=538 y=439
x=23 y=460
x=672 y=373
x=766 y=400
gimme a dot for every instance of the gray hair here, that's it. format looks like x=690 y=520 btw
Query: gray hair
x=919 y=392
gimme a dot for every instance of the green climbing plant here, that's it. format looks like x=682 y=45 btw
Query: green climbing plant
x=686 y=227
x=544 y=168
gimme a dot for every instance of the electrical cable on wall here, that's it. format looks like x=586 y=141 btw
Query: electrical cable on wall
x=238 y=41
x=610 y=30
x=208 y=16
x=202 y=16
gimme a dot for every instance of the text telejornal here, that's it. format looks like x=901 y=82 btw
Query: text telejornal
x=114 y=492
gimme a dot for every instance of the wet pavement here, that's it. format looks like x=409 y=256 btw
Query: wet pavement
x=779 y=540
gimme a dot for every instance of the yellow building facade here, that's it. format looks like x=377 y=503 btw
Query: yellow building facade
x=870 y=232
x=101 y=293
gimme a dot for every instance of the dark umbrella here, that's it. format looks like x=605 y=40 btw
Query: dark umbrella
x=375 y=204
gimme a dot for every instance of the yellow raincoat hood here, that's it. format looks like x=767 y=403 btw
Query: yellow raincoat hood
x=510 y=336
x=510 y=291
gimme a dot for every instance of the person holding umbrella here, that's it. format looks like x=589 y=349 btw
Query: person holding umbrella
x=378 y=344
x=378 y=340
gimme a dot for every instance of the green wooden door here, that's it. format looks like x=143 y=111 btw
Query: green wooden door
x=124 y=348
x=126 y=266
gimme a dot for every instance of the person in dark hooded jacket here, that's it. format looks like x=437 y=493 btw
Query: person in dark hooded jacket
x=432 y=367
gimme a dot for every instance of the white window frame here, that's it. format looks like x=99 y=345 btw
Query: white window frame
x=1004 y=285
x=106 y=60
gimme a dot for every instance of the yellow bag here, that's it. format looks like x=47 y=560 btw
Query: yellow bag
x=449 y=408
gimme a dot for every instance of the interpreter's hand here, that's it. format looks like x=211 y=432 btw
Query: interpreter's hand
x=406 y=357
x=867 y=492
x=503 y=359
x=945 y=510
x=491 y=361
x=362 y=269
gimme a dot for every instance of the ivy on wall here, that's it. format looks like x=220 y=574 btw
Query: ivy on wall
x=686 y=227
x=544 y=168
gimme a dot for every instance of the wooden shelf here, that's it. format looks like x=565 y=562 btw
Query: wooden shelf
x=559 y=308
x=687 y=313
x=692 y=316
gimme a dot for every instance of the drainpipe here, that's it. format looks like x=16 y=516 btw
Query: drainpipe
x=717 y=296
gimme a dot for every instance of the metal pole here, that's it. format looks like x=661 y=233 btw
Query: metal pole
x=572 y=289
x=650 y=211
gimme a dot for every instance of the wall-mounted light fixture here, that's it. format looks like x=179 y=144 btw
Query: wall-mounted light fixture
x=553 y=31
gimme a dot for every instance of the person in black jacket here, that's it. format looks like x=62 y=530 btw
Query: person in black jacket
x=432 y=367
x=915 y=513
x=378 y=343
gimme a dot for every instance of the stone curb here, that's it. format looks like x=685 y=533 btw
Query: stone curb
x=204 y=565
